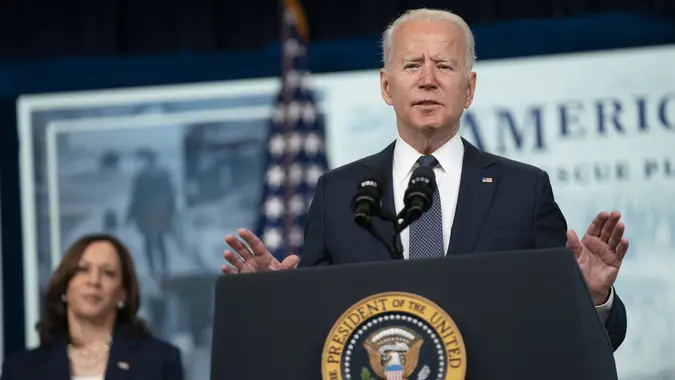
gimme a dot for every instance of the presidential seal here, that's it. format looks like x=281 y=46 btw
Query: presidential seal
x=394 y=336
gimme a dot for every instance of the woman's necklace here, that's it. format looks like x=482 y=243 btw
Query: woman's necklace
x=86 y=359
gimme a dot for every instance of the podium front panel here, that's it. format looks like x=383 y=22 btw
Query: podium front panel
x=521 y=315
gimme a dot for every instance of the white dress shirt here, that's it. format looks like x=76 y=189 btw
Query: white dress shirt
x=450 y=157
x=96 y=377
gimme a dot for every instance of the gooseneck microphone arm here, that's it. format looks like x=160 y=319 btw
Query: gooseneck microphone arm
x=395 y=248
x=379 y=237
x=418 y=198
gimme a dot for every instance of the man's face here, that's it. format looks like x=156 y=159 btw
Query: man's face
x=427 y=80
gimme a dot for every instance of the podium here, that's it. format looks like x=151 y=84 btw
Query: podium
x=509 y=315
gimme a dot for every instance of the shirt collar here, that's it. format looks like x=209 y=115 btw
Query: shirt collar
x=449 y=155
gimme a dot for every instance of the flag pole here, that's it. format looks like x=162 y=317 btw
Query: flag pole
x=287 y=94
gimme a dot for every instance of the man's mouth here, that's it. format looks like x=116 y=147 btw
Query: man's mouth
x=427 y=103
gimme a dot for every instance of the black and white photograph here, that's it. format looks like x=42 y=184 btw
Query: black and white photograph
x=170 y=178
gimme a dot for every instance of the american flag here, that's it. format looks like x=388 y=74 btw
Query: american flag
x=296 y=155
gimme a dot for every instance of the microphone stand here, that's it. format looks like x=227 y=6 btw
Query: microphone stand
x=395 y=248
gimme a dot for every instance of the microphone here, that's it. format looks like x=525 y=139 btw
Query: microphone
x=366 y=201
x=418 y=197
x=366 y=205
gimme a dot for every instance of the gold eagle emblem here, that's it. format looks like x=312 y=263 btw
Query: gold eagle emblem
x=393 y=348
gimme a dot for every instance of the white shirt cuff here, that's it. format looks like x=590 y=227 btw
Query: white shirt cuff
x=604 y=309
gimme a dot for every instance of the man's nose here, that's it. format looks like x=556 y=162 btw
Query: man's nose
x=428 y=77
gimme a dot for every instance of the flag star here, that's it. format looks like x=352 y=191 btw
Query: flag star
x=308 y=113
x=275 y=176
x=274 y=207
x=279 y=113
x=295 y=174
x=295 y=236
x=312 y=144
x=295 y=142
x=276 y=145
x=296 y=205
x=293 y=79
x=293 y=112
x=305 y=80
x=272 y=238
x=312 y=175
x=294 y=49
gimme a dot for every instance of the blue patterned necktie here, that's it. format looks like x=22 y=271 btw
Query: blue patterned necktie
x=426 y=233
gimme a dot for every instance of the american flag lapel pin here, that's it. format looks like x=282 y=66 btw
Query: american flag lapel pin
x=123 y=365
x=487 y=180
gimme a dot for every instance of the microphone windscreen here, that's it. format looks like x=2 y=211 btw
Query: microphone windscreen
x=371 y=186
x=423 y=176
x=368 y=191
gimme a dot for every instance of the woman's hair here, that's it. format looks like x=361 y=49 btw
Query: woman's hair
x=54 y=322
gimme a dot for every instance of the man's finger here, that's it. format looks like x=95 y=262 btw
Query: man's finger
x=596 y=225
x=238 y=246
x=573 y=243
x=609 y=226
x=290 y=262
x=226 y=269
x=236 y=260
x=616 y=236
x=254 y=242
x=622 y=249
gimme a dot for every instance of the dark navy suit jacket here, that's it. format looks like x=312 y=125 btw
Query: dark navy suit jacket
x=129 y=359
x=516 y=211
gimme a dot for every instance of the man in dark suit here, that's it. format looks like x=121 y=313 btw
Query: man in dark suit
x=483 y=203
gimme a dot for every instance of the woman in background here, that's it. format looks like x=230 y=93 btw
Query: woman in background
x=89 y=329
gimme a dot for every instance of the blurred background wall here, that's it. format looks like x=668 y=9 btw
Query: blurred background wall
x=96 y=97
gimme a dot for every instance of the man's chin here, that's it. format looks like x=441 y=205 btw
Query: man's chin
x=428 y=127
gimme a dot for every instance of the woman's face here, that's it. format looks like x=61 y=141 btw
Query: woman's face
x=96 y=288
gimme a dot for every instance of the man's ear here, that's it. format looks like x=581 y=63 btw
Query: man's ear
x=470 y=90
x=384 y=86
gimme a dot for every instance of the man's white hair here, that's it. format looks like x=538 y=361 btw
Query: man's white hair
x=425 y=14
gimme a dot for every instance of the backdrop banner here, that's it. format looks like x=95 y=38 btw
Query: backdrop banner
x=601 y=124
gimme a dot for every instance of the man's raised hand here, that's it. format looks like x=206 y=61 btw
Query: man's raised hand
x=257 y=259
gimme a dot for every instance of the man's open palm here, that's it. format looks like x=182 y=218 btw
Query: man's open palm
x=600 y=253
x=257 y=259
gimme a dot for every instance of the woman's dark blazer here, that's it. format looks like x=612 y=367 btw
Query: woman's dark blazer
x=130 y=359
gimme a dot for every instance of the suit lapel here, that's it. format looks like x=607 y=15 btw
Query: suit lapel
x=476 y=190
x=121 y=359
x=380 y=166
